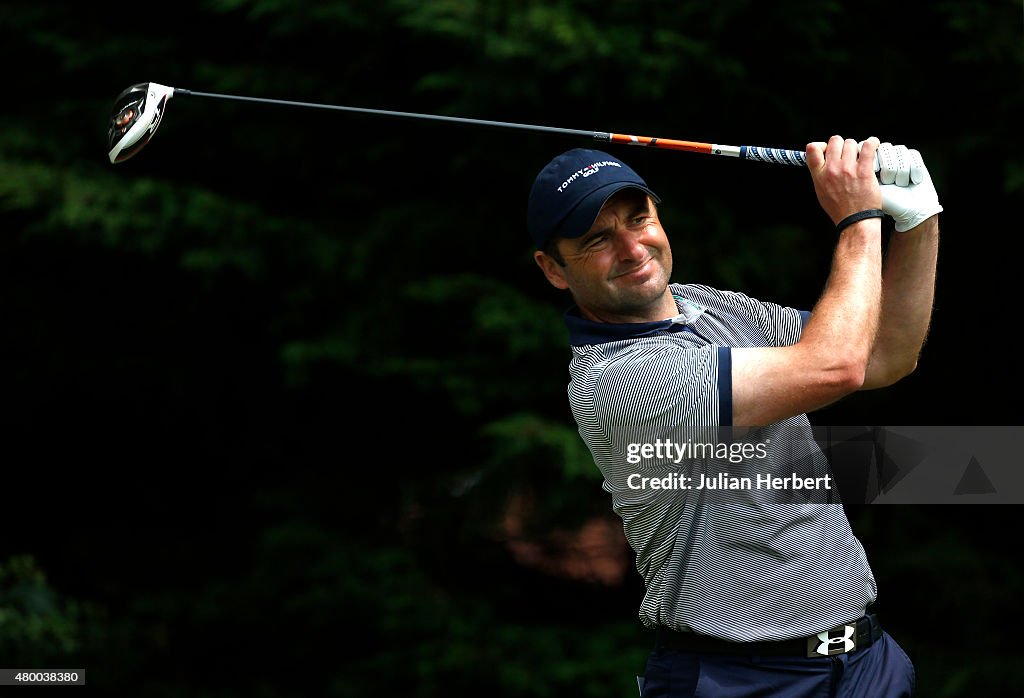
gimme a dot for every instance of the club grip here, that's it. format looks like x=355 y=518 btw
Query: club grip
x=778 y=156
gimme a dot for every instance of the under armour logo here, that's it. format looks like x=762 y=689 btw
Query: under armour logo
x=836 y=641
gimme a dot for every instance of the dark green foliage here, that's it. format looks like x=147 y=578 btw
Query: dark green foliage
x=38 y=627
x=272 y=384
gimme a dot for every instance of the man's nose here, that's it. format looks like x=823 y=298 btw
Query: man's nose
x=629 y=242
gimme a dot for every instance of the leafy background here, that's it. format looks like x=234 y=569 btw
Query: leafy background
x=285 y=408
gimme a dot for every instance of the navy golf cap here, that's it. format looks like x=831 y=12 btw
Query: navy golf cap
x=569 y=192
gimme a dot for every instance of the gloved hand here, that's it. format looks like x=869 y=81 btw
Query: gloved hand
x=908 y=194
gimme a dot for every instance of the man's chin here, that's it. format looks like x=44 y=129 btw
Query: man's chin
x=638 y=299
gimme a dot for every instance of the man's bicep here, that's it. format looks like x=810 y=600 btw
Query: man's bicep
x=770 y=384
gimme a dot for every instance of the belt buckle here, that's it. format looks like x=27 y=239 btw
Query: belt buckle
x=838 y=640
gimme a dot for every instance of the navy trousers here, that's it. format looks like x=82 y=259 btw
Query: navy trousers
x=882 y=670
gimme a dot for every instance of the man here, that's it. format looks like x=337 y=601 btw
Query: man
x=693 y=402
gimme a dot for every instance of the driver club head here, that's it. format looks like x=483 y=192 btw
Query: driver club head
x=137 y=114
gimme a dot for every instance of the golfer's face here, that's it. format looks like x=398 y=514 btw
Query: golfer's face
x=622 y=265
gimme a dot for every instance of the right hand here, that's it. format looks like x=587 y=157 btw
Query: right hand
x=843 y=172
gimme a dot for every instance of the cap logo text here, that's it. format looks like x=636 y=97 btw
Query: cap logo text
x=590 y=169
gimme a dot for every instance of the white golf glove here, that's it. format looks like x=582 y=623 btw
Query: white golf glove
x=908 y=194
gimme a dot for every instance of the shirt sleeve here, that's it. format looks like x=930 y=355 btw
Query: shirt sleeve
x=781 y=325
x=657 y=391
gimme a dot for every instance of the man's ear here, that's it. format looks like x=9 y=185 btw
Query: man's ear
x=551 y=268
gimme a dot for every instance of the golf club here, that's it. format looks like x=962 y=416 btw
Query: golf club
x=139 y=110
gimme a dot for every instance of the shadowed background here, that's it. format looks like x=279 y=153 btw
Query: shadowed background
x=284 y=394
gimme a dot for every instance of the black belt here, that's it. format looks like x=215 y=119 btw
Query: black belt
x=841 y=639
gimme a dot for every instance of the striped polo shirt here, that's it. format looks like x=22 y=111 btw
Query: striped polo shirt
x=727 y=543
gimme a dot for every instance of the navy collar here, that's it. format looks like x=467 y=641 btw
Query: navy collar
x=583 y=332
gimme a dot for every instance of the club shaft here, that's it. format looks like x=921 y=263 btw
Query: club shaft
x=772 y=155
x=401 y=114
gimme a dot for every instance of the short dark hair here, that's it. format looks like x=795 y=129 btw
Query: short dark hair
x=551 y=250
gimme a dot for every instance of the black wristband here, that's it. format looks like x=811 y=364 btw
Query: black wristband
x=859 y=216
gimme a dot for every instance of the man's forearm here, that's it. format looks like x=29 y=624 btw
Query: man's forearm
x=844 y=322
x=908 y=293
x=829 y=362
